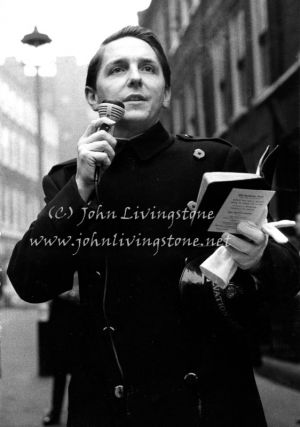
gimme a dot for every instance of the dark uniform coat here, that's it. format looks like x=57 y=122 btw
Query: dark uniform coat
x=182 y=357
x=64 y=331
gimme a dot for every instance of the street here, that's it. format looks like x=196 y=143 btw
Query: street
x=25 y=396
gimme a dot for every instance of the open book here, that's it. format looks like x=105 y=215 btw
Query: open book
x=226 y=198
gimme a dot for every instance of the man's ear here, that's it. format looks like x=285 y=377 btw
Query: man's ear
x=91 y=97
x=167 y=97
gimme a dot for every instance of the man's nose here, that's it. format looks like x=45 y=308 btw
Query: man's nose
x=134 y=78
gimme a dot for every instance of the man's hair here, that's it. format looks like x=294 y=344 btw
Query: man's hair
x=131 y=31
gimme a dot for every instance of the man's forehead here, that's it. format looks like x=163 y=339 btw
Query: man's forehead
x=128 y=47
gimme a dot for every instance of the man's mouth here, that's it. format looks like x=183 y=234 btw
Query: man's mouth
x=134 y=97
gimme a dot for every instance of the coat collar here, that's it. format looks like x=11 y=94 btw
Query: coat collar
x=149 y=143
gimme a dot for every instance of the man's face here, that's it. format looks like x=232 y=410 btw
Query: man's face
x=130 y=72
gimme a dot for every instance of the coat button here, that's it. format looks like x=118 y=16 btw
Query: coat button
x=108 y=329
x=191 y=378
x=231 y=291
x=191 y=205
x=119 y=391
x=198 y=153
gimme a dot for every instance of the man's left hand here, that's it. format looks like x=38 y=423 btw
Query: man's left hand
x=246 y=253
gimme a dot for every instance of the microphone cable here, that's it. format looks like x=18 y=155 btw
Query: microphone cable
x=114 y=110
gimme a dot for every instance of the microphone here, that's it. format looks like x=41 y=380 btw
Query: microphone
x=114 y=110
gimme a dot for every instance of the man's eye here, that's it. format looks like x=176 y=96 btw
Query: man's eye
x=148 y=68
x=116 y=70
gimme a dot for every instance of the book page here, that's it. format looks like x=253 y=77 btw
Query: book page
x=240 y=205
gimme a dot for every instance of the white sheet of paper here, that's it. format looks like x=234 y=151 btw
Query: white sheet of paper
x=241 y=205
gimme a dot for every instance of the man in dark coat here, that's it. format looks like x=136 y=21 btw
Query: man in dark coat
x=151 y=356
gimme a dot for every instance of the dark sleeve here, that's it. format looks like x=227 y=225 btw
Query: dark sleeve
x=278 y=274
x=234 y=161
x=42 y=265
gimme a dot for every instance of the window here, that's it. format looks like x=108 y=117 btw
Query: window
x=221 y=89
x=195 y=3
x=177 y=115
x=22 y=216
x=15 y=208
x=21 y=164
x=7 y=206
x=20 y=112
x=50 y=129
x=184 y=12
x=14 y=150
x=11 y=104
x=260 y=45
x=199 y=100
x=175 y=22
x=238 y=61
x=190 y=109
x=166 y=23
x=5 y=94
x=1 y=141
x=5 y=146
x=178 y=15
x=32 y=209
x=30 y=117
x=32 y=160
x=1 y=205
x=160 y=27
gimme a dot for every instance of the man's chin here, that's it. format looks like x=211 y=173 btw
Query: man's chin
x=135 y=114
x=136 y=118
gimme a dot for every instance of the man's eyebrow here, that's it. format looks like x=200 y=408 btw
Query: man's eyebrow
x=121 y=61
x=118 y=61
x=149 y=60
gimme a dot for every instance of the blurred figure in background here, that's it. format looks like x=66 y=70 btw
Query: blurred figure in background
x=64 y=323
x=295 y=239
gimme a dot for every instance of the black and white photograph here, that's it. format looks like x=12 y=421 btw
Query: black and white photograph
x=150 y=213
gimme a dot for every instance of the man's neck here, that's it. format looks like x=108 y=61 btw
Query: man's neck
x=129 y=132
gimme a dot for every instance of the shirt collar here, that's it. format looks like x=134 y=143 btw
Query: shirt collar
x=149 y=143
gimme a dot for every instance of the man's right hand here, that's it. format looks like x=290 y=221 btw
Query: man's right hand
x=95 y=148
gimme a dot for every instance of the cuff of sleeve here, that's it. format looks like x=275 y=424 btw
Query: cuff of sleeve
x=65 y=210
x=276 y=275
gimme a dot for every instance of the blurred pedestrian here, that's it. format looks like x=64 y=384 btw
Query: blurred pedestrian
x=295 y=239
x=64 y=323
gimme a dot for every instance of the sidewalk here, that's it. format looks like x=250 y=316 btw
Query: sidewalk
x=279 y=386
x=24 y=395
x=281 y=404
x=285 y=373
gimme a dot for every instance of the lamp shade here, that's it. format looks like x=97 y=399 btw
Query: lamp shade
x=36 y=38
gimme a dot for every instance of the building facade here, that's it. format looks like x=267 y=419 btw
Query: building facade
x=19 y=159
x=235 y=74
x=73 y=114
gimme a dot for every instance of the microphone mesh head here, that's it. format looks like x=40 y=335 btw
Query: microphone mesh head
x=114 y=110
